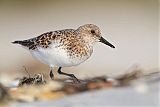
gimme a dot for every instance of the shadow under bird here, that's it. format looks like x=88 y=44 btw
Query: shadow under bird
x=64 y=48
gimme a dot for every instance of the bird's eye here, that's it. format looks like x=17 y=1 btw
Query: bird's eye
x=92 y=31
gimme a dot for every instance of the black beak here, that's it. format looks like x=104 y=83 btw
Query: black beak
x=106 y=42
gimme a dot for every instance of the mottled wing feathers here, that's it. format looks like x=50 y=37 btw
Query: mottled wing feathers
x=43 y=40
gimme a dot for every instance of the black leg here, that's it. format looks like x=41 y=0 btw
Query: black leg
x=71 y=75
x=51 y=74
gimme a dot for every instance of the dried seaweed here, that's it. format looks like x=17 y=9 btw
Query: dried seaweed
x=37 y=79
x=86 y=85
x=125 y=79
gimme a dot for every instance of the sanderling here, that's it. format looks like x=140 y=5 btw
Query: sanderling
x=64 y=48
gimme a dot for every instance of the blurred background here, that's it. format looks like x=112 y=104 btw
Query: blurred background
x=130 y=25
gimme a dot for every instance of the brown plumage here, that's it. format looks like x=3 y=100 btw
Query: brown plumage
x=64 y=48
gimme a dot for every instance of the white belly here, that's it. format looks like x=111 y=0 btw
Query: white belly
x=56 y=57
x=52 y=56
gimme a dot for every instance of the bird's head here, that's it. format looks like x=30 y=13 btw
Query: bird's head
x=91 y=34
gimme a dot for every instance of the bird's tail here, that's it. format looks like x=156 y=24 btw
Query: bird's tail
x=28 y=44
x=23 y=43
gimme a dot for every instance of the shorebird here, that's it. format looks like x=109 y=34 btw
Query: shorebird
x=64 y=48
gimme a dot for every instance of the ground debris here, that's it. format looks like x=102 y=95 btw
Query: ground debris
x=125 y=79
x=37 y=79
x=87 y=84
x=36 y=88
x=128 y=77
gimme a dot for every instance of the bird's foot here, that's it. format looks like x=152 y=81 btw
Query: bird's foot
x=51 y=75
x=75 y=79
